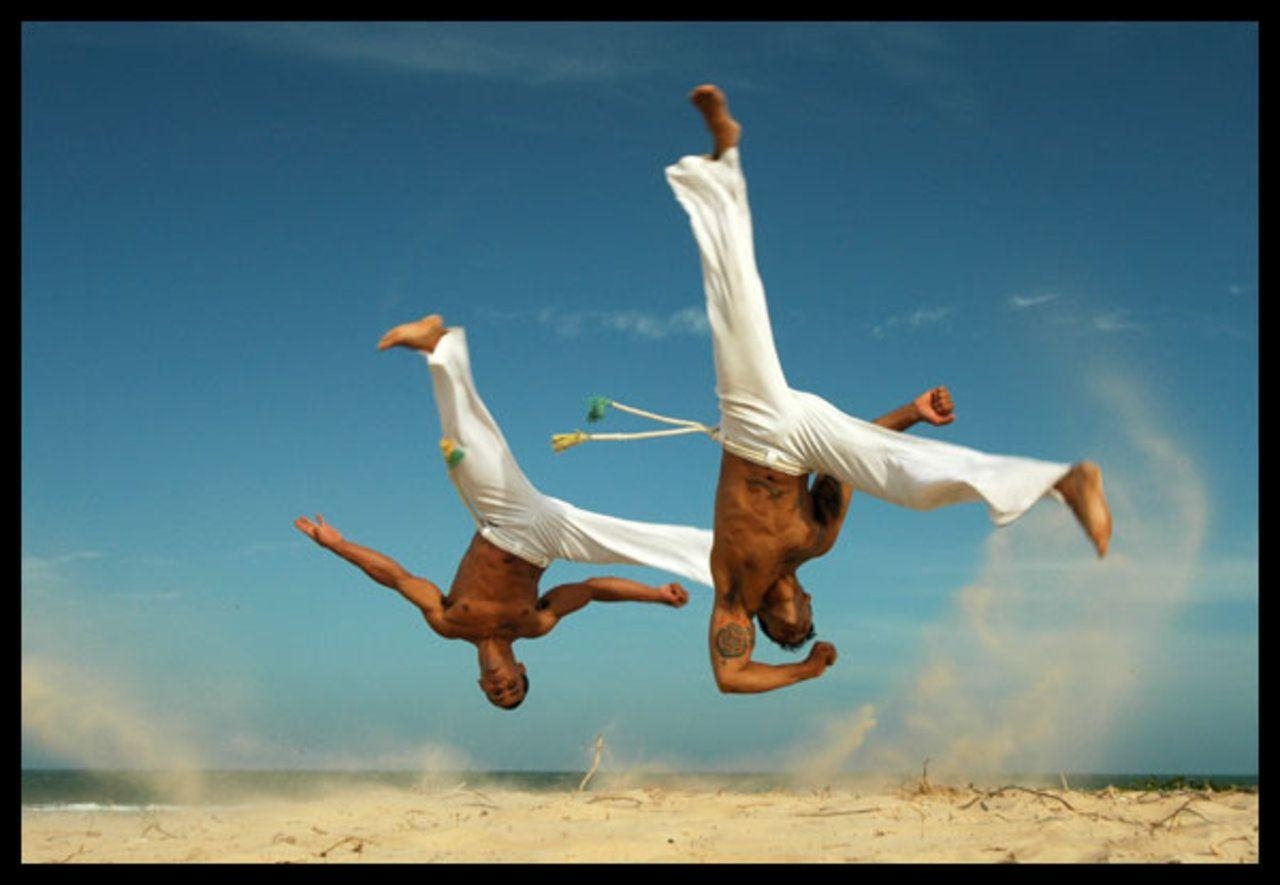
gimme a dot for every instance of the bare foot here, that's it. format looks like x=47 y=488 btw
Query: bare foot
x=423 y=334
x=710 y=101
x=1082 y=488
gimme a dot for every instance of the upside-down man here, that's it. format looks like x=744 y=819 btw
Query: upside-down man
x=769 y=519
x=494 y=599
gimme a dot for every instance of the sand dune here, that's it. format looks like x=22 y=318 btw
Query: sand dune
x=461 y=824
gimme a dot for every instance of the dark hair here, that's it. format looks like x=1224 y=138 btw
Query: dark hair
x=524 y=676
x=827 y=497
x=789 y=646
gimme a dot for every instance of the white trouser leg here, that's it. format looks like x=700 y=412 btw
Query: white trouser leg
x=915 y=471
x=768 y=423
x=583 y=536
x=753 y=392
x=488 y=478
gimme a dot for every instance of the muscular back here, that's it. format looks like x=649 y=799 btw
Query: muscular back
x=768 y=523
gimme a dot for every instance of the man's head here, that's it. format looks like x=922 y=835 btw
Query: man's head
x=502 y=678
x=786 y=616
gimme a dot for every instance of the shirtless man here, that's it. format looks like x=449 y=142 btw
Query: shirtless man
x=494 y=599
x=768 y=518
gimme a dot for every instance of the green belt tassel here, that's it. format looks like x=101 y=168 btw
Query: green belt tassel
x=597 y=406
x=453 y=453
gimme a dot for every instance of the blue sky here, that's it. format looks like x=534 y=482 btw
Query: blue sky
x=1059 y=221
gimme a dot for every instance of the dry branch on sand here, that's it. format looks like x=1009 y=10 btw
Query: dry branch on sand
x=359 y=847
x=638 y=802
x=1041 y=793
x=75 y=853
x=822 y=812
x=1172 y=816
x=595 y=763
x=158 y=829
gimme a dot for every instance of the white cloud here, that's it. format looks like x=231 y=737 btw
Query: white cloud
x=531 y=52
x=925 y=316
x=47 y=572
x=1114 y=321
x=922 y=59
x=638 y=324
x=1021 y=302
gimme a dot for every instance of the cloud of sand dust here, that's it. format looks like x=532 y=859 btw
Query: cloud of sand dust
x=840 y=738
x=1032 y=668
x=76 y=714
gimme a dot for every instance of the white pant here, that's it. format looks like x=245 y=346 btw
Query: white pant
x=515 y=516
x=768 y=423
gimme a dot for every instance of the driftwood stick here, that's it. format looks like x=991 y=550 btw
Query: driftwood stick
x=66 y=859
x=1040 y=793
x=343 y=841
x=595 y=763
x=1169 y=818
x=836 y=813
x=1215 y=846
x=158 y=829
x=616 y=799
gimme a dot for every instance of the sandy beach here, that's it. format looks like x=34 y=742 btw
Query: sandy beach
x=458 y=823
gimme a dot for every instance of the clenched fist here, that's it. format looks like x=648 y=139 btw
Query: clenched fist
x=935 y=406
x=673 y=595
x=821 y=656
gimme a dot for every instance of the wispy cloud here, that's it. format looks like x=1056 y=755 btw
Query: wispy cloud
x=1115 y=321
x=1022 y=302
x=921 y=58
x=635 y=323
x=264 y=549
x=530 y=52
x=917 y=319
x=1073 y=313
x=47 y=572
x=1107 y=321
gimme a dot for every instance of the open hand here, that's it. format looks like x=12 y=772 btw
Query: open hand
x=673 y=595
x=319 y=531
x=821 y=656
x=935 y=406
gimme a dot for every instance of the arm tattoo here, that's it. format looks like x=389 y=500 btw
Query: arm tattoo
x=732 y=641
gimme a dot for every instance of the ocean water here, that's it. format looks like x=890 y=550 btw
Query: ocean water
x=65 y=789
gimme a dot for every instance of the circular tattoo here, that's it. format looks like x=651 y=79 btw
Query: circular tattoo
x=732 y=641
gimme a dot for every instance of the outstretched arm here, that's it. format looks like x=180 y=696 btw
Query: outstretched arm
x=733 y=638
x=568 y=598
x=383 y=569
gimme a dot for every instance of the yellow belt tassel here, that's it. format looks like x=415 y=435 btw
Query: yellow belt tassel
x=453 y=453
x=562 y=441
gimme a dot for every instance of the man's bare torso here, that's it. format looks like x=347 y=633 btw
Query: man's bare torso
x=767 y=524
x=494 y=593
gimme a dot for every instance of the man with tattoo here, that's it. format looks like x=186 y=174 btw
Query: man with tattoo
x=769 y=519
x=494 y=599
